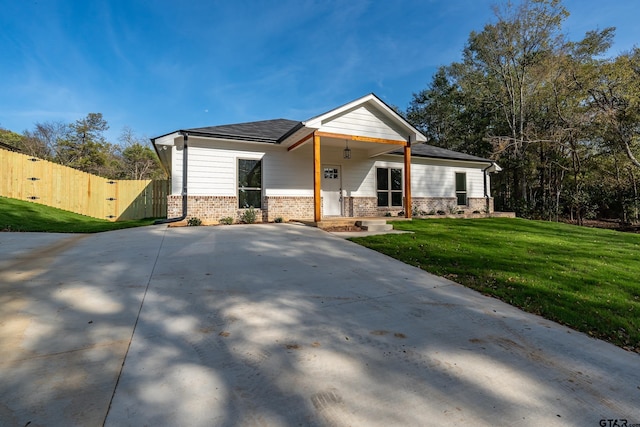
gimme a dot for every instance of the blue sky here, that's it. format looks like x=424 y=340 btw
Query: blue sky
x=159 y=66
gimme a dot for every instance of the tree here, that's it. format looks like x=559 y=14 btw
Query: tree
x=615 y=101
x=450 y=116
x=570 y=72
x=43 y=141
x=435 y=111
x=11 y=139
x=549 y=110
x=85 y=147
x=508 y=61
x=139 y=161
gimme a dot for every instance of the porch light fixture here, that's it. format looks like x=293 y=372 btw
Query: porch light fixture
x=346 y=153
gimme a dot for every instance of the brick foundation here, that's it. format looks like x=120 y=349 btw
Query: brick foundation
x=431 y=205
x=288 y=207
x=210 y=209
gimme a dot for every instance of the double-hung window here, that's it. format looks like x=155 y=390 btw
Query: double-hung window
x=389 y=187
x=461 y=188
x=249 y=183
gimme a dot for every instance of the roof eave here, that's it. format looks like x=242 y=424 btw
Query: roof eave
x=478 y=160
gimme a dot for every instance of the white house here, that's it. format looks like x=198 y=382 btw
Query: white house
x=361 y=159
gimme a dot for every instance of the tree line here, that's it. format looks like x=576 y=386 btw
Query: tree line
x=83 y=146
x=561 y=117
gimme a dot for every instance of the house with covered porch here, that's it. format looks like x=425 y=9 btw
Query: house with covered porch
x=361 y=159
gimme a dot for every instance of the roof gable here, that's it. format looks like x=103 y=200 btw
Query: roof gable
x=383 y=116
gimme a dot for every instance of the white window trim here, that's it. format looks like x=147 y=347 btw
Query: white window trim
x=261 y=160
x=390 y=191
x=466 y=187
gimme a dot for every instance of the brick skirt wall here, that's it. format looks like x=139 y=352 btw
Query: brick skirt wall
x=211 y=209
x=367 y=207
x=288 y=207
x=447 y=204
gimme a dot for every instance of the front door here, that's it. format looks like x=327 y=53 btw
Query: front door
x=331 y=190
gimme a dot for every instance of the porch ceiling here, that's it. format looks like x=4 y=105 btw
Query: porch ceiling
x=370 y=145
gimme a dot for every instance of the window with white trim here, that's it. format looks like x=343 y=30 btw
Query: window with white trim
x=461 y=188
x=389 y=187
x=249 y=183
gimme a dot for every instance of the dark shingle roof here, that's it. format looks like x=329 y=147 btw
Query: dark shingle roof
x=262 y=131
x=425 y=150
x=274 y=131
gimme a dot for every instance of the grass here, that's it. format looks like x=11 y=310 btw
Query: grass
x=17 y=215
x=585 y=278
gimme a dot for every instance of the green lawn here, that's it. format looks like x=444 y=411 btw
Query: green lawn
x=17 y=215
x=586 y=278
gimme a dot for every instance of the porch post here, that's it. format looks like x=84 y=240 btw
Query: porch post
x=407 y=180
x=317 y=202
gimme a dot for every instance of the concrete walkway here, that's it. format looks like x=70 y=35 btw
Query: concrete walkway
x=278 y=325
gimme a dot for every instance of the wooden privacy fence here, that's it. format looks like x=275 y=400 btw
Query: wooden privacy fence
x=28 y=178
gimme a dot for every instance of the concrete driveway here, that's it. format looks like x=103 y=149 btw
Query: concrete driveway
x=278 y=325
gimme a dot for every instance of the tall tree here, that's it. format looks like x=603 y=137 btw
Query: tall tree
x=615 y=101
x=86 y=148
x=139 y=161
x=510 y=57
x=435 y=111
x=571 y=72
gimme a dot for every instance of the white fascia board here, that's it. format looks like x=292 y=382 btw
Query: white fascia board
x=298 y=135
x=167 y=139
x=494 y=168
x=316 y=122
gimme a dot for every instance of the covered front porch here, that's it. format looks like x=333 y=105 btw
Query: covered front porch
x=344 y=148
x=341 y=163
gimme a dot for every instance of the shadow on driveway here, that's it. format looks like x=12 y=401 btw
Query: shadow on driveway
x=282 y=325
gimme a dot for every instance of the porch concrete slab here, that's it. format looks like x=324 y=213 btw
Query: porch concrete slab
x=283 y=325
x=350 y=234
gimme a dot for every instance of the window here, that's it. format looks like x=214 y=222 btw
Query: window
x=249 y=183
x=389 y=185
x=330 y=173
x=461 y=188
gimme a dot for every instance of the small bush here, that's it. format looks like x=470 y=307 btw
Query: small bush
x=249 y=215
x=452 y=209
x=387 y=214
x=401 y=213
x=431 y=212
x=194 y=222
x=278 y=220
x=227 y=220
